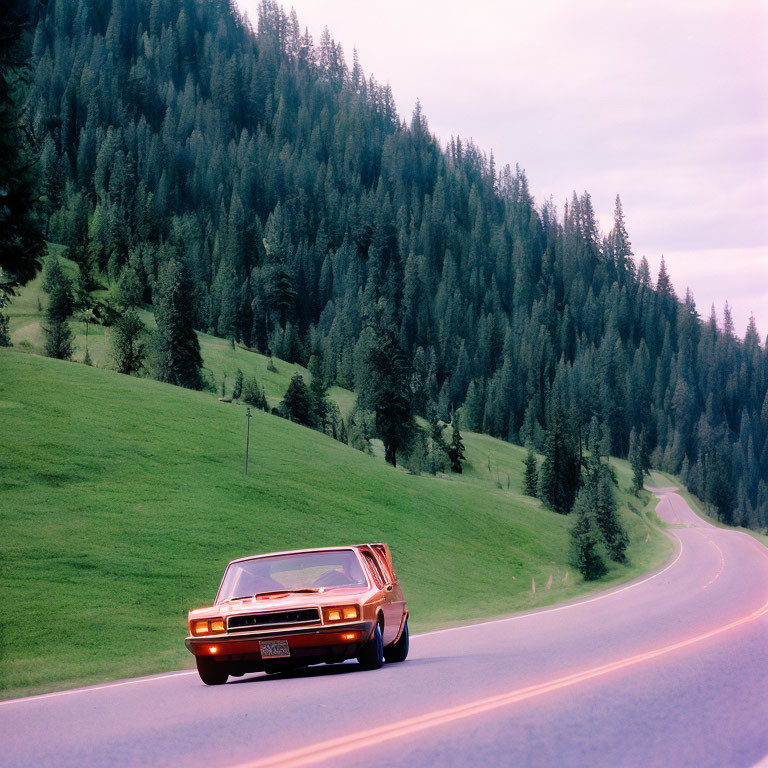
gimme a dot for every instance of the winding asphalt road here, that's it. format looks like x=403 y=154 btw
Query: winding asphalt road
x=669 y=670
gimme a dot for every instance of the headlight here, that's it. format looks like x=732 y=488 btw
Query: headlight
x=341 y=613
x=207 y=627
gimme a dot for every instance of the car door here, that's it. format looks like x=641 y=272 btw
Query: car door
x=385 y=557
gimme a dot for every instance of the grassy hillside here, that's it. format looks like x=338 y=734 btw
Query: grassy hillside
x=220 y=358
x=122 y=500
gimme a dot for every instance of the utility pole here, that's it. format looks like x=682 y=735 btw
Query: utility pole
x=248 y=417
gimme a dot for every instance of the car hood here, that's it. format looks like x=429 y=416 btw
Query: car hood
x=282 y=601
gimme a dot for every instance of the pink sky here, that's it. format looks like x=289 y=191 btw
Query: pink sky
x=665 y=103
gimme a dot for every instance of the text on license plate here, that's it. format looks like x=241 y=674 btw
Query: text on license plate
x=274 y=649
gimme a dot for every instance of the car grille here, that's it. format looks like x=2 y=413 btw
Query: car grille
x=273 y=618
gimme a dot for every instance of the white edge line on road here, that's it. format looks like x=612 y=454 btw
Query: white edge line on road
x=70 y=691
x=574 y=604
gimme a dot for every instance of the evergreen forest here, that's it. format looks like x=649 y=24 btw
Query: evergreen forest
x=242 y=179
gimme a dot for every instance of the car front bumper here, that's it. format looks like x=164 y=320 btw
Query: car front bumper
x=338 y=641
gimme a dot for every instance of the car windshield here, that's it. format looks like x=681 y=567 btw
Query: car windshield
x=302 y=571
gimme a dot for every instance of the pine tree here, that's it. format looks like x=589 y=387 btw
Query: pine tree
x=229 y=292
x=21 y=235
x=620 y=248
x=297 y=401
x=719 y=487
x=129 y=289
x=237 y=389
x=585 y=541
x=320 y=405
x=360 y=428
x=607 y=518
x=473 y=408
x=644 y=274
x=178 y=358
x=636 y=462
x=437 y=448
x=385 y=390
x=253 y=394
x=58 y=340
x=531 y=487
x=456 y=448
x=598 y=498
x=559 y=475
x=5 y=332
x=417 y=459
x=645 y=456
x=664 y=285
x=58 y=335
x=126 y=342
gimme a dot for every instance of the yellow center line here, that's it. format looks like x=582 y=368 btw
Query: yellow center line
x=338 y=747
x=721 y=567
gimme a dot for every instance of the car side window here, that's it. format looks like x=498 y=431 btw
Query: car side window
x=374 y=568
x=384 y=566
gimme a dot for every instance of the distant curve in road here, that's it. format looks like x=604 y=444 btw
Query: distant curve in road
x=668 y=670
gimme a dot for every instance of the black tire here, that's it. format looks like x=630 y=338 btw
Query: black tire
x=371 y=655
x=398 y=651
x=211 y=672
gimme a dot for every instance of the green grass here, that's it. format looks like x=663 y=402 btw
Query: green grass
x=220 y=358
x=122 y=499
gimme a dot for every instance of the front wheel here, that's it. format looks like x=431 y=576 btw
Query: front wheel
x=398 y=651
x=371 y=656
x=211 y=672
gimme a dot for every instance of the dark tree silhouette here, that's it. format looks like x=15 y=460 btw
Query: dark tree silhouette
x=178 y=349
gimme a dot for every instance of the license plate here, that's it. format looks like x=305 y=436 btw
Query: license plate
x=274 y=649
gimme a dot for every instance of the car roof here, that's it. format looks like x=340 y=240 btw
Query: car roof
x=300 y=552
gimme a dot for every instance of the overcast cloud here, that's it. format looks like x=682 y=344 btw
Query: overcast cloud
x=665 y=103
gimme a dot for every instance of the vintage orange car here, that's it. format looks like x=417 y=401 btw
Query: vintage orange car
x=286 y=610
